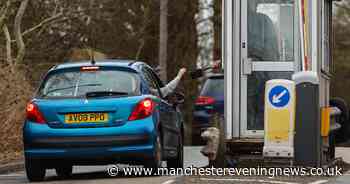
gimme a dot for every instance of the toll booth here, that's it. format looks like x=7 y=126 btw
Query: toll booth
x=264 y=40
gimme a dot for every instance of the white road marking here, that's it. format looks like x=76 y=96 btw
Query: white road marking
x=248 y=180
x=347 y=173
x=11 y=175
x=319 y=182
x=169 y=182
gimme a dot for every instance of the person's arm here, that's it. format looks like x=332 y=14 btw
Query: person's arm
x=154 y=91
x=171 y=86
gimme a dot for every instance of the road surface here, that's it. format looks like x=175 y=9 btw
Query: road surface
x=98 y=174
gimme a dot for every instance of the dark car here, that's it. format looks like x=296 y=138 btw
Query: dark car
x=209 y=102
x=90 y=113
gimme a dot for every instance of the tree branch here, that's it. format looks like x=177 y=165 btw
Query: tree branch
x=345 y=7
x=8 y=45
x=42 y=23
x=3 y=13
x=17 y=30
x=55 y=18
x=139 y=50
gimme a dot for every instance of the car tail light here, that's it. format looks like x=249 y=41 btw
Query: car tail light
x=89 y=68
x=33 y=113
x=142 y=110
x=205 y=100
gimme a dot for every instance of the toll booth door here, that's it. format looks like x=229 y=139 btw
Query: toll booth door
x=269 y=50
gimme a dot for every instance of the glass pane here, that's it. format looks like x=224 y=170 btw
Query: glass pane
x=271 y=30
x=77 y=83
x=255 y=101
x=213 y=86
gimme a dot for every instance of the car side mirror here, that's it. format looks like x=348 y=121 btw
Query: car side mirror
x=198 y=73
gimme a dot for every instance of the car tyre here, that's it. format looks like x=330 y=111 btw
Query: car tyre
x=34 y=170
x=64 y=171
x=156 y=161
x=178 y=161
x=195 y=140
x=342 y=135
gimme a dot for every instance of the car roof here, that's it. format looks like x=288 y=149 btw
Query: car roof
x=216 y=76
x=104 y=62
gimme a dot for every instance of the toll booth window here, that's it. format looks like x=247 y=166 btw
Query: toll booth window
x=271 y=30
x=255 y=93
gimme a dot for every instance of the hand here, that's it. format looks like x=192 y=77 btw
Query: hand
x=182 y=71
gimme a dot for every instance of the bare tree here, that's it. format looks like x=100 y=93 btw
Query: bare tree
x=3 y=15
x=163 y=39
x=8 y=46
x=16 y=30
x=21 y=48
x=3 y=12
x=17 y=33
x=141 y=33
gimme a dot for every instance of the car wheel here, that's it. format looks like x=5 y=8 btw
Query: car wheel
x=178 y=161
x=156 y=161
x=64 y=171
x=194 y=140
x=34 y=170
x=342 y=135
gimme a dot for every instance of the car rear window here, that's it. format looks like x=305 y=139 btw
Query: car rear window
x=79 y=83
x=213 y=86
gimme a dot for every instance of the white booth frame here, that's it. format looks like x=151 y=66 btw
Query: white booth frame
x=231 y=56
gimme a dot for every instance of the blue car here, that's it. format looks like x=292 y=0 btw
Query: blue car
x=91 y=113
x=209 y=102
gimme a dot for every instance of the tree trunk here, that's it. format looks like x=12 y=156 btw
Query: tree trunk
x=182 y=43
x=163 y=39
x=220 y=161
x=217 y=30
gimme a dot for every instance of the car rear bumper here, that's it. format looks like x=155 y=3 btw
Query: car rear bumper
x=100 y=155
x=202 y=119
x=131 y=142
x=89 y=141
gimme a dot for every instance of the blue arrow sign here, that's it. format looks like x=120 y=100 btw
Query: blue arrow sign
x=279 y=96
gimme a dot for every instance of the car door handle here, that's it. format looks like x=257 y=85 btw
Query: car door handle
x=247 y=66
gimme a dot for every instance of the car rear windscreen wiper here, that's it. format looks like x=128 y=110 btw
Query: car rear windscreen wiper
x=96 y=94
x=69 y=87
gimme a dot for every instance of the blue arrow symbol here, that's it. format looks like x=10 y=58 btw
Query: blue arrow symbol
x=277 y=98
